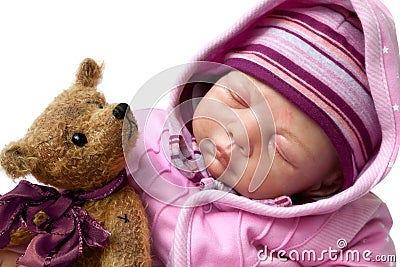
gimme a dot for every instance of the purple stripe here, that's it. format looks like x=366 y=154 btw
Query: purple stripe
x=366 y=89
x=320 y=27
x=331 y=129
x=173 y=156
x=359 y=58
x=174 y=141
x=322 y=88
x=197 y=177
x=282 y=201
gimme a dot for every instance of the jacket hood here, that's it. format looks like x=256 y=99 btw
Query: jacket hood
x=382 y=70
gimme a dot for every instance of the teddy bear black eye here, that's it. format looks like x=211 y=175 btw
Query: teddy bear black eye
x=79 y=139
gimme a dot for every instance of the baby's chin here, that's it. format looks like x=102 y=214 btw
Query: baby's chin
x=258 y=194
x=219 y=171
x=264 y=191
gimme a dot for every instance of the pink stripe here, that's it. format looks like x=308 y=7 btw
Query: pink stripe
x=318 y=35
x=322 y=44
x=333 y=33
x=285 y=47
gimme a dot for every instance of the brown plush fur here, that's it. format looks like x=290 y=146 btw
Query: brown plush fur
x=48 y=153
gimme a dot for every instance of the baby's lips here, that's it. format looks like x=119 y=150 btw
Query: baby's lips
x=223 y=155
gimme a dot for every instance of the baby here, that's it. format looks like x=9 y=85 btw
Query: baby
x=305 y=161
x=272 y=143
x=311 y=72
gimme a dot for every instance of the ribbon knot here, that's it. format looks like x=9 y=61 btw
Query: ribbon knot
x=59 y=239
x=59 y=207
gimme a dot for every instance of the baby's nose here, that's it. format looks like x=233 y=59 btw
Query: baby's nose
x=120 y=110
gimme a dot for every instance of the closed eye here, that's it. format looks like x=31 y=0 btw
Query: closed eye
x=282 y=155
x=284 y=159
x=236 y=99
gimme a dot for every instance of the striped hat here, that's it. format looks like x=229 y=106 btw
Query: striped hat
x=314 y=56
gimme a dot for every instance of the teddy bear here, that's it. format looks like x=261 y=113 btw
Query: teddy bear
x=83 y=212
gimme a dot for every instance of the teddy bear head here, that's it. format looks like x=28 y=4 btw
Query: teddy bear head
x=78 y=142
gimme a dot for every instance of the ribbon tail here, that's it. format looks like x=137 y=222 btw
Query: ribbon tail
x=42 y=252
x=61 y=247
x=94 y=234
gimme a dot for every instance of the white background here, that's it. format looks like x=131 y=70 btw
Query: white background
x=42 y=43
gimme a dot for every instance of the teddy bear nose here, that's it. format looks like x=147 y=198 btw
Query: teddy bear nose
x=120 y=110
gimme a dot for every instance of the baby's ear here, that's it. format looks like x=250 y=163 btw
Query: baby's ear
x=17 y=160
x=328 y=186
x=89 y=73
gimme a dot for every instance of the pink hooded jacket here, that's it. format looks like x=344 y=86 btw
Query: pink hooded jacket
x=190 y=227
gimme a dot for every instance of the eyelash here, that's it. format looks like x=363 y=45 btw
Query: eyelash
x=283 y=158
x=236 y=98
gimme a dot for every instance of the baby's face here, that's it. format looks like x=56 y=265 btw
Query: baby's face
x=244 y=149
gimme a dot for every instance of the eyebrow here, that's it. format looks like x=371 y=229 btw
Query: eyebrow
x=296 y=140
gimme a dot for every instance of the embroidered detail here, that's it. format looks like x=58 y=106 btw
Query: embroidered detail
x=187 y=160
x=211 y=183
x=385 y=50
x=282 y=201
x=125 y=218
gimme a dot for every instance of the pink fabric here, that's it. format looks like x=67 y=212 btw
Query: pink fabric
x=218 y=229
x=211 y=228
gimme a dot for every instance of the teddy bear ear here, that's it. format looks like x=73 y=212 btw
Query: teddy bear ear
x=89 y=73
x=17 y=161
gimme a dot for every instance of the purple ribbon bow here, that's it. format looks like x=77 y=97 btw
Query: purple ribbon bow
x=59 y=240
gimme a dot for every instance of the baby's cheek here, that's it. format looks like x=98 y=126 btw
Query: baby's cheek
x=286 y=116
x=284 y=179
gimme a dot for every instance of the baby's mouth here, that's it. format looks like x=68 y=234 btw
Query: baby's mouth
x=217 y=157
